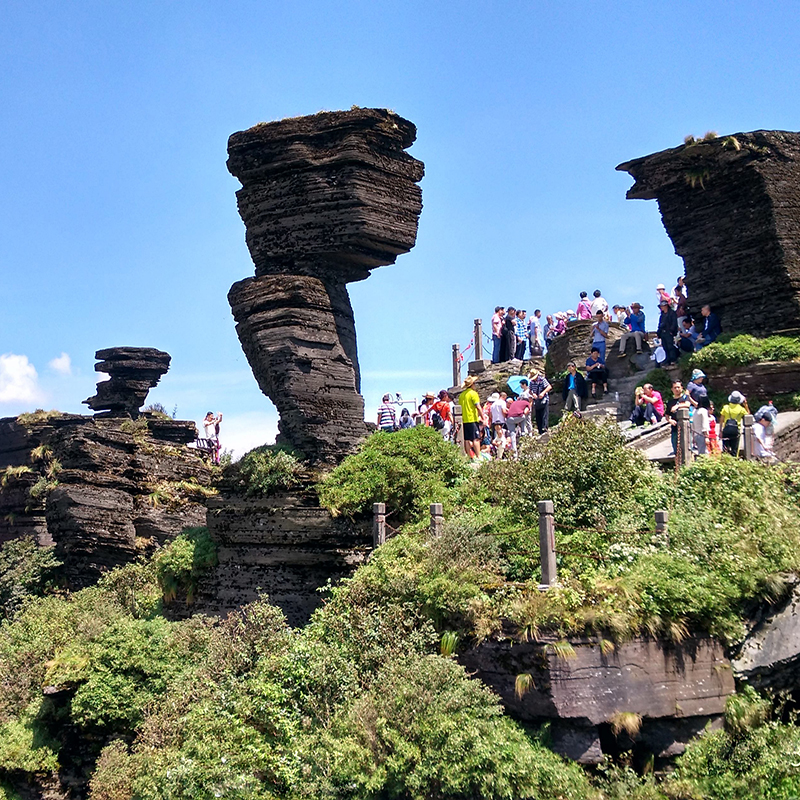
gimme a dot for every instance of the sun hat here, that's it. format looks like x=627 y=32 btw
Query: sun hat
x=493 y=397
x=570 y=312
x=636 y=305
x=698 y=373
x=736 y=397
x=429 y=394
x=661 y=286
x=469 y=380
x=663 y=303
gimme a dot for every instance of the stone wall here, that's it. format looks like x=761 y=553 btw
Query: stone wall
x=324 y=199
x=731 y=206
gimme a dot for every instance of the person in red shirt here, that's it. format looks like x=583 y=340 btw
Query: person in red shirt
x=443 y=409
x=497 y=332
x=519 y=411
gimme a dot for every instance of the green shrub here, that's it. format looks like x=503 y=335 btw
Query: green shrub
x=661 y=381
x=180 y=565
x=743 y=349
x=408 y=470
x=26 y=570
x=266 y=469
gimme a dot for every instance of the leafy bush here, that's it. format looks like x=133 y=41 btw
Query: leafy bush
x=408 y=470
x=745 y=349
x=180 y=565
x=26 y=570
x=661 y=381
x=265 y=469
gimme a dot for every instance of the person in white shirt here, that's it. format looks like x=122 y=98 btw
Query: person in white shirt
x=764 y=440
x=599 y=303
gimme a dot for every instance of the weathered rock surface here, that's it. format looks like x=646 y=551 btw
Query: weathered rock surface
x=575 y=344
x=769 y=658
x=324 y=199
x=731 y=206
x=283 y=545
x=93 y=485
x=675 y=689
x=133 y=372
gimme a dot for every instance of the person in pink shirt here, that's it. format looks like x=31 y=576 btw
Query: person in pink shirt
x=497 y=332
x=653 y=404
x=584 y=310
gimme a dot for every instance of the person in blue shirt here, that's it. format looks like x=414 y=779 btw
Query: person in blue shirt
x=600 y=333
x=597 y=374
x=574 y=390
x=636 y=329
x=712 y=328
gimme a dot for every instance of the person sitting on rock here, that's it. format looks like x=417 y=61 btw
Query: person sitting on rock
x=574 y=390
x=687 y=335
x=652 y=403
x=599 y=304
x=597 y=374
x=712 y=327
x=636 y=329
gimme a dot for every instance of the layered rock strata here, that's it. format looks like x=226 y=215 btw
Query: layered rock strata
x=133 y=372
x=675 y=689
x=285 y=546
x=731 y=206
x=324 y=199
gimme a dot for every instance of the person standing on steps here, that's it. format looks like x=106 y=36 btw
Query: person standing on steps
x=387 y=417
x=574 y=391
x=600 y=334
x=667 y=331
x=679 y=400
x=730 y=417
x=470 y=403
x=497 y=330
x=597 y=374
x=636 y=329
x=539 y=389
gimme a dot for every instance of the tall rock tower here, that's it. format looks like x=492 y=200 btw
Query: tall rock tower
x=325 y=199
x=731 y=206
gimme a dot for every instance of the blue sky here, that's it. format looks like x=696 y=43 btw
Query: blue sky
x=118 y=220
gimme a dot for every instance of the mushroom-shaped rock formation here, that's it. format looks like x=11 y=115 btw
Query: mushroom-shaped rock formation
x=324 y=199
x=731 y=206
x=133 y=372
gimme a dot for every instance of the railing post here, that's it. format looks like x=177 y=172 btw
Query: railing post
x=456 y=365
x=459 y=423
x=378 y=524
x=437 y=518
x=547 y=543
x=749 y=450
x=683 y=452
x=662 y=525
x=478 y=340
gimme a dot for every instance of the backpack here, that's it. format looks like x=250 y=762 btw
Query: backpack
x=437 y=423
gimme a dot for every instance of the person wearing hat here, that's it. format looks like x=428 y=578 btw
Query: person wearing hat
x=730 y=417
x=668 y=330
x=470 y=404
x=696 y=388
x=663 y=294
x=636 y=329
x=387 y=417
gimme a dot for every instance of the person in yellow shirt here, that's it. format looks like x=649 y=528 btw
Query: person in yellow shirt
x=730 y=417
x=470 y=404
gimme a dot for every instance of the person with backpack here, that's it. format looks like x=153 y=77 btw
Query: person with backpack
x=441 y=416
x=731 y=416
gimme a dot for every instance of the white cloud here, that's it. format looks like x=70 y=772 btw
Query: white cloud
x=19 y=382
x=62 y=365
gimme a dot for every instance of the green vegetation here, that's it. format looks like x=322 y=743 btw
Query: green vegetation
x=26 y=570
x=743 y=349
x=180 y=566
x=408 y=470
x=265 y=470
x=40 y=415
x=661 y=381
x=174 y=494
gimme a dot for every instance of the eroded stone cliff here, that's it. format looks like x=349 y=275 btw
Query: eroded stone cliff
x=731 y=206
x=324 y=199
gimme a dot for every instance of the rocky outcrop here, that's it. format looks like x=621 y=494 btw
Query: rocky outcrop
x=575 y=344
x=283 y=545
x=672 y=690
x=324 y=199
x=731 y=206
x=133 y=372
x=769 y=658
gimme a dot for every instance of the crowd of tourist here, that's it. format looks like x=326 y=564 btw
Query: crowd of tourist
x=678 y=329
